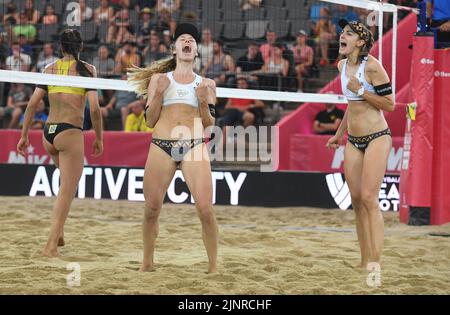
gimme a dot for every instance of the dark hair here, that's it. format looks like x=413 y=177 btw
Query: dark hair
x=72 y=44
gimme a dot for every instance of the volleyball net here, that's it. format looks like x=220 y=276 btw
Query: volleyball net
x=285 y=50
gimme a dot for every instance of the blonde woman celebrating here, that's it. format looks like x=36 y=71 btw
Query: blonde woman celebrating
x=176 y=98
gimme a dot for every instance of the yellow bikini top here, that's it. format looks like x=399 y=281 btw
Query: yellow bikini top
x=62 y=68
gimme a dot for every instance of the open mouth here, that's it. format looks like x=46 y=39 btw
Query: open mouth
x=343 y=45
x=186 y=49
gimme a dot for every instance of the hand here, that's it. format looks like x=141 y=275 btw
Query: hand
x=22 y=145
x=97 y=148
x=333 y=142
x=445 y=27
x=162 y=84
x=202 y=92
x=354 y=85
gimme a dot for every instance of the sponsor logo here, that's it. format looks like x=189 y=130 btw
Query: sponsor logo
x=426 y=61
x=388 y=195
x=182 y=93
x=128 y=183
x=441 y=74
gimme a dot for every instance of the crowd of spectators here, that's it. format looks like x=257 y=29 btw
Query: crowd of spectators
x=138 y=32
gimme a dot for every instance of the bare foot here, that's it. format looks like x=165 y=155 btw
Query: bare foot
x=61 y=241
x=147 y=268
x=212 y=270
x=51 y=253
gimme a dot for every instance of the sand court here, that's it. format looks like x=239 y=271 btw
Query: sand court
x=262 y=251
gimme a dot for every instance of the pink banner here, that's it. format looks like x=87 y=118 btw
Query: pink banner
x=120 y=148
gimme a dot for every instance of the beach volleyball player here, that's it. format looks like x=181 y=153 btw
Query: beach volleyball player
x=63 y=134
x=367 y=88
x=176 y=98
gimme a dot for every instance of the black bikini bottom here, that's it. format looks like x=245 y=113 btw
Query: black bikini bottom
x=177 y=149
x=51 y=130
x=362 y=143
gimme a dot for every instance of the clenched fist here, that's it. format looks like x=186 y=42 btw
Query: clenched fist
x=163 y=83
x=202 y=92
x=354 y=84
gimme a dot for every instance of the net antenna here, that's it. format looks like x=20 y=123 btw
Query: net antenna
x=381 y=8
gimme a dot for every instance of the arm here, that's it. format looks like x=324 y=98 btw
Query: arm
x=342 y=127
x=206 y=94
x=36 y=98
x=158 y=84
x=96 y=117
x=285 y=68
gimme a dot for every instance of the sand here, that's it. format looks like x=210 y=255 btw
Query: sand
x=262 y=251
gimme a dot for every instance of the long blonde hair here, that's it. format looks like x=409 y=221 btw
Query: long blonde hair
x=140 y=78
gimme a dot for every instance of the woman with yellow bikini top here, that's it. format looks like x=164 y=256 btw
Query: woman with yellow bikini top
x=63 y=137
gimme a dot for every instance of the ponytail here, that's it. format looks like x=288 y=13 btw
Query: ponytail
x=72 y=44
x=140 y=77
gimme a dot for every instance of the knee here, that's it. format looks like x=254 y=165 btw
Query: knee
x=152 y=210
x=205 y=211
x=369 y=200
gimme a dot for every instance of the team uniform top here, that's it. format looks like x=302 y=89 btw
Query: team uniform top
x=178 y=93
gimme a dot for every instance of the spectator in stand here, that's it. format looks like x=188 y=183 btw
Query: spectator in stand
x=303 y=58
x=146 y=25
x=328 y=120
x=25 y=47
x=250 y=64
x=4 y=50
x=343 y=12
x=441 y=21
x=166 y=38
x=126 y=57
x=324 y=31
x=120 y=30
x=245 y=112
x=46 y=56
x=249 y=4
x=153 y=51
x=17 y=100
x=267 y=48
x=103 y=63
x=104 y=13
x=275 y=68
x=165 y=22
x=173 y=6
x=18 y=61
x=50 y=17
x=12 y=16
x=25 y=28
x=140 y=4
x=32 y=14
x=135 y=120
x=205 y=49
x=117 y=106
x=220 y=66
x=39 y=119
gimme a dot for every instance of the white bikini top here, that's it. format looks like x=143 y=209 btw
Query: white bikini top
x=178 y=93
x=361 y=78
